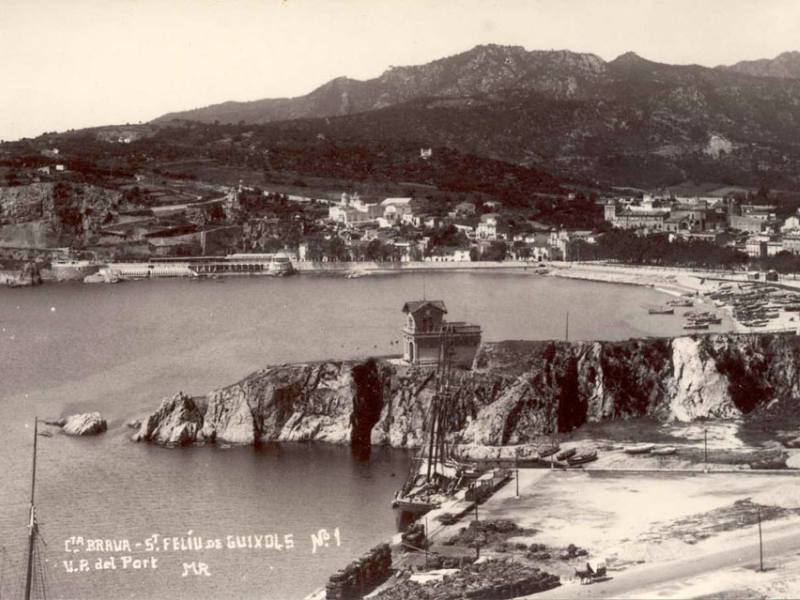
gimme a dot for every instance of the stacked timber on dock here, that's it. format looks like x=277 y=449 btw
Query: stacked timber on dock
x=491 y=580
x=360 y=575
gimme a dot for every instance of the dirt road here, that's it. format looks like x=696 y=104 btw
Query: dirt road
x=629 y=582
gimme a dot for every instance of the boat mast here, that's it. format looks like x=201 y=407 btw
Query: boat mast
x=433 y=443
x=32 y=521
x=438 y=409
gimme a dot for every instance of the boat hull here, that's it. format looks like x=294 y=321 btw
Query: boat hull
x=413 y=507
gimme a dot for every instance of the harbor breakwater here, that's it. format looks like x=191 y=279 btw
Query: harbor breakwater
x=515 y=392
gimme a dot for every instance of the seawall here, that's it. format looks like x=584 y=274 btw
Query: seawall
x=398 y=267
x=516 y=392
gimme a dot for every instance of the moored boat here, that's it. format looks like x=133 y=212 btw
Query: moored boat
x=682 y=302
x=582 y=457
x=663 y=310
x=547 y=451
x=566 y=454
x=664 y=450
x=638 y=449
x=413 y=505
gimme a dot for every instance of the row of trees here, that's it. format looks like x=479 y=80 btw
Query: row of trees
x=657 y=250
x=336 y=250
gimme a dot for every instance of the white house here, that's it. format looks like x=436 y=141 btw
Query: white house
x=453 y=255
x=791 y=223
x=487 y=228
x=353 y=210
x=395 y=208
x=542 y=251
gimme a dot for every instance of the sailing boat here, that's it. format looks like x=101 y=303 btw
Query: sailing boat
x=434 y=474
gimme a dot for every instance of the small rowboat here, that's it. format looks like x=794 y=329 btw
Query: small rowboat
x=584 y=457
x=566 y=454
x=639 y=449
x=664 y=451
x=680 y=303
x=548 y=450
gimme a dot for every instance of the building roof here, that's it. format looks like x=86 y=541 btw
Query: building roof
x=389 y=201
x=415 y=305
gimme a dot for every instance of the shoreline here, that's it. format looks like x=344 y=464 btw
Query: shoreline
x=699 y=285
x=676 y=282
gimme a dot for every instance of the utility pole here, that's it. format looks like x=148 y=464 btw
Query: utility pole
x=760 y=543
x=705 y=450
x=426 y=542
x=32 y=522
x=516 y=469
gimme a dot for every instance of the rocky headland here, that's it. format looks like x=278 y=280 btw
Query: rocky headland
x=516 y=391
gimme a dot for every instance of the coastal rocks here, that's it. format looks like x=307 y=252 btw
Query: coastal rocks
x=294 y=403
x=27 y=276
x=177 y=422
x=699 y=389
x=517 y=393
x=84 y=424
x=229 y=419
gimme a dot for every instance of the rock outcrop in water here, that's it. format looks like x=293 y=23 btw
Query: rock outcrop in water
x=85 y=424
x=515 y=392
x=177 y=422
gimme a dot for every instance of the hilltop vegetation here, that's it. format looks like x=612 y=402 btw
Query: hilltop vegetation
x=626 y=122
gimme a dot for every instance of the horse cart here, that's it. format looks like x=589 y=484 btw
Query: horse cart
x=595 y=571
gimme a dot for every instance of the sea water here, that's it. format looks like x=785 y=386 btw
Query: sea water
x=125 y=520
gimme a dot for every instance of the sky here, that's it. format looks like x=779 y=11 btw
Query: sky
x=69 y=64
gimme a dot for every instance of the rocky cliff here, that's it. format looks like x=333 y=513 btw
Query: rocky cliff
x=53 y=214
x=29 y=275
x=515 y=392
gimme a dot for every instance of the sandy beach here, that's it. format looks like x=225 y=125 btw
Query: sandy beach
x=695 y=284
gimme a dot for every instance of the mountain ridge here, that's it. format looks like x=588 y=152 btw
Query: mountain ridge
x=559 y=72
x=563 y=111
x=786 y=65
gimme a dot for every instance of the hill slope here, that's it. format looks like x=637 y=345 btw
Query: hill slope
x=563 y=111
x=785 y=65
